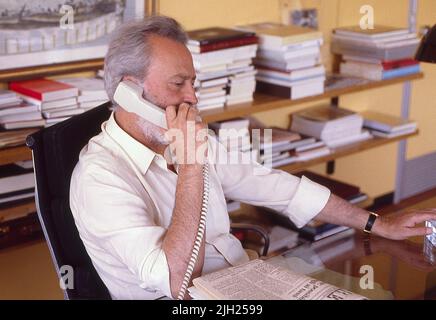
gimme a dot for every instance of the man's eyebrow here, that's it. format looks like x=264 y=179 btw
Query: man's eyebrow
x=184 y=76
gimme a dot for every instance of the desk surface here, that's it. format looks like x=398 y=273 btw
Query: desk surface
x=401 y=269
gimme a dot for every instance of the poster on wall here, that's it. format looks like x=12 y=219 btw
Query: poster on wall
x=42 y=32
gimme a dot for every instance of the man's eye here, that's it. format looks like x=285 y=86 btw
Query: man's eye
x=178 y=84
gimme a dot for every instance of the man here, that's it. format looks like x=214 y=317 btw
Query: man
x=138 y=214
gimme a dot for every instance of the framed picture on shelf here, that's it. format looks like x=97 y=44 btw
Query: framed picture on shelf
x=45 y=32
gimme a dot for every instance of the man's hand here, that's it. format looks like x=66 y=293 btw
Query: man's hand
x=403 y=225
x=188 y=137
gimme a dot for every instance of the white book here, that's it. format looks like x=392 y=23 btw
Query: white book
x=24 y=108
x=288 y=65
x=211 y=101
x=379 y=32
x=62 y=113
x=211 y=83
x=291 y=84
x=365 y=135
x=26 y=116
x=226 y=56
x=50 y=104
x=289 y=55
x=87 y=86
x=394 y=134
x=212 y=94
x=300 y=74
x=23 y=124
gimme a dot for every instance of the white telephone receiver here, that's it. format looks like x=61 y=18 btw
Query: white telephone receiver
x=129 y=96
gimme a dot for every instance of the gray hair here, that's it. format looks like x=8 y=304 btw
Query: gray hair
x=130 y=51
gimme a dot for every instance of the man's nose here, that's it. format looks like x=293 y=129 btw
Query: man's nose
x=190 y=96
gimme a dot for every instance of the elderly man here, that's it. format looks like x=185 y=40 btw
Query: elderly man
x=138 y=214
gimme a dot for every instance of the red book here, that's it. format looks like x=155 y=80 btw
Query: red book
x=227 y=44
x=390 y=65
x=44 y=89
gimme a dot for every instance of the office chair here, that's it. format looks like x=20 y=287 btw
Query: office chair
x=55 y=153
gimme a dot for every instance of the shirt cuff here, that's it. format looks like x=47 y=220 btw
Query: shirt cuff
x=309 y=199
x=155 y=273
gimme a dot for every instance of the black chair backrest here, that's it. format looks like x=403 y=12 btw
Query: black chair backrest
x=55 y=153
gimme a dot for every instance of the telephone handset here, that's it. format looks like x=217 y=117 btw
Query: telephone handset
x=129 y=96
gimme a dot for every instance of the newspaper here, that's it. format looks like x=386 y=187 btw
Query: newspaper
x=260 y=280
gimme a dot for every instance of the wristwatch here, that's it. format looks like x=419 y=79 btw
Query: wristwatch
x=370 y=223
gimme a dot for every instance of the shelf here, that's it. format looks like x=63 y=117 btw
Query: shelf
x=50 y=70
x=264 y=102
x=261 y=103
x=14 y=154
x=345 y=151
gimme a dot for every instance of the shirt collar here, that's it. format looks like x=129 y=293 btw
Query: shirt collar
x=141 y=155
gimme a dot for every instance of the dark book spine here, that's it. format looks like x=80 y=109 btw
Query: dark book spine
x=228 y=44
x=273 y=89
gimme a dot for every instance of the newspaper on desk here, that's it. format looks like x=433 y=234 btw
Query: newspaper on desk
x=260 y=280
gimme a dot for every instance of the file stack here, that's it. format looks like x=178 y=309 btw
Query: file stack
x=223 y=63
x=376 y=54
x=15 y=114
x=334 y=126
x=56 y=101
x=288 y=60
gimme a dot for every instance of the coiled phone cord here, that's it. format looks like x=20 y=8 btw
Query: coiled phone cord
x=200 y=233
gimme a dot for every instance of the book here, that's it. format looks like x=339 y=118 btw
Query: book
x=44 y=89
x=294 y=75
x=25 y=116
x=290 y=90
x=262 y=280
x=389 y=135
x=327 y=123
x=379 y=32
x=386 y=123
x=213 y=35
x=23 y=124
x=14 y=178
x=14 y=137
x=275 y=35
x=362 y=70
x=88 y=87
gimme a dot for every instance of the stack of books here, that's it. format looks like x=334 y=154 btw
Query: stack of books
x=15 y=113
x=223 y=61
x=376 y=54
x=56 y=101
x=289 y=60
x=281 y=147
x=387 y=126
x=335 y=126
x=91 y=91
x=17 y=182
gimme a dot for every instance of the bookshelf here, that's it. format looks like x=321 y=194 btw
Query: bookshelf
x=264 y=103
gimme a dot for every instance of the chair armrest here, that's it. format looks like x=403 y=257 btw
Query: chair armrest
x=235 y=227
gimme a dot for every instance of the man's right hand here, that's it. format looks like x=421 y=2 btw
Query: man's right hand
x=187 y=136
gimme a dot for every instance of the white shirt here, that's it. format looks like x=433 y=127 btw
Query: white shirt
x=122 y=197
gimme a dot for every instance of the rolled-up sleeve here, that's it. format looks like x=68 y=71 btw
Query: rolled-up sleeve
x=299 y=199
x=122 y=223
